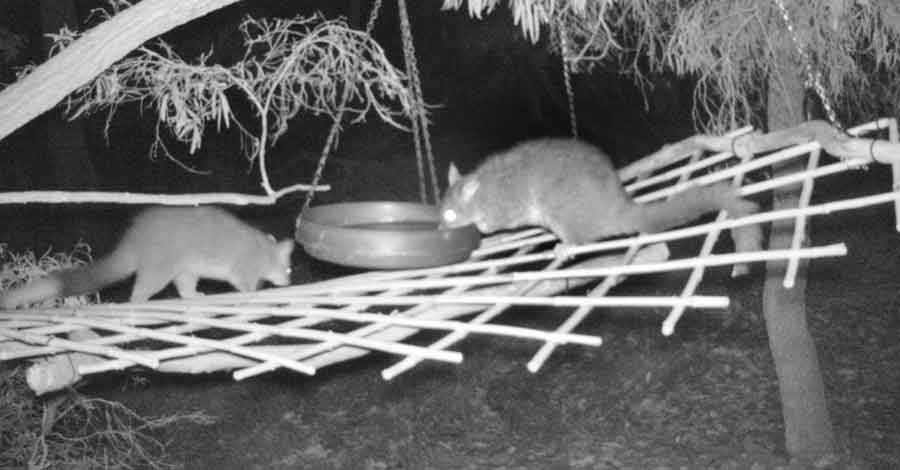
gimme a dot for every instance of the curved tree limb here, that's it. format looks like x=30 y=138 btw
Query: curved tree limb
x=97 y=49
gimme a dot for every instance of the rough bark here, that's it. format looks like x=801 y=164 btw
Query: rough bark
x=808 y=431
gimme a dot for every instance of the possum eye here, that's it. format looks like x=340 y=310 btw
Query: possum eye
x=449 y=216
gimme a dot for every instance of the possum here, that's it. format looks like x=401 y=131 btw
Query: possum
x=571 y=188
x=172 y=244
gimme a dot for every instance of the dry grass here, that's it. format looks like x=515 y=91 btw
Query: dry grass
x=17 y=269
x=75 y=432
x=68 y=430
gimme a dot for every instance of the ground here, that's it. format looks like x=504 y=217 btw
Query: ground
x=706 y=397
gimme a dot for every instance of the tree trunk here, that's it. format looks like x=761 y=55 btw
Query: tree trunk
x=99 y=48
x=808 y=432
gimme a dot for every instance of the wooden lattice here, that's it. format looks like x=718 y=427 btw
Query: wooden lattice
x=309 y=326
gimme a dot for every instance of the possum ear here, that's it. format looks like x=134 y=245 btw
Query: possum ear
x=469 y=188
x=452 y=175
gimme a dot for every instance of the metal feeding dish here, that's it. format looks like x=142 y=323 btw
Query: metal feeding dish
x=383 y=235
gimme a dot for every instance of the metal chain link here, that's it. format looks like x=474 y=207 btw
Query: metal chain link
x=567 y=78
x=420 y=120
x=813 y=74
x=373 y=16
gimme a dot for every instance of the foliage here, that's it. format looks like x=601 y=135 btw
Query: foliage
x=75 y=432
x=732 y=48
x=289 y=65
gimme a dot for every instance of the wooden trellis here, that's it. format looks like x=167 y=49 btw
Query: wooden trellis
x=305 y=327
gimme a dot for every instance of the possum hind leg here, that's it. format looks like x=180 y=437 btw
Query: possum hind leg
x=146 y=284
x=569 y=235
x=186 y=285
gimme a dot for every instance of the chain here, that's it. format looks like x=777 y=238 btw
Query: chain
x=373 y=16
x=813 y=74
x=419 y=118
x=331 y=140
x=567 y=78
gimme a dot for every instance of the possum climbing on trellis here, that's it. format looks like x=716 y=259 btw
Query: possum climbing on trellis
x=571 y=188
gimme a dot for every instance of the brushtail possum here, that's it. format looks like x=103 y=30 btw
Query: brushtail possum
x=172 y=244
x=572 y=189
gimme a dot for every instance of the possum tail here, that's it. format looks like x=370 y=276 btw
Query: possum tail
x=78 y=281
x=692 y=203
